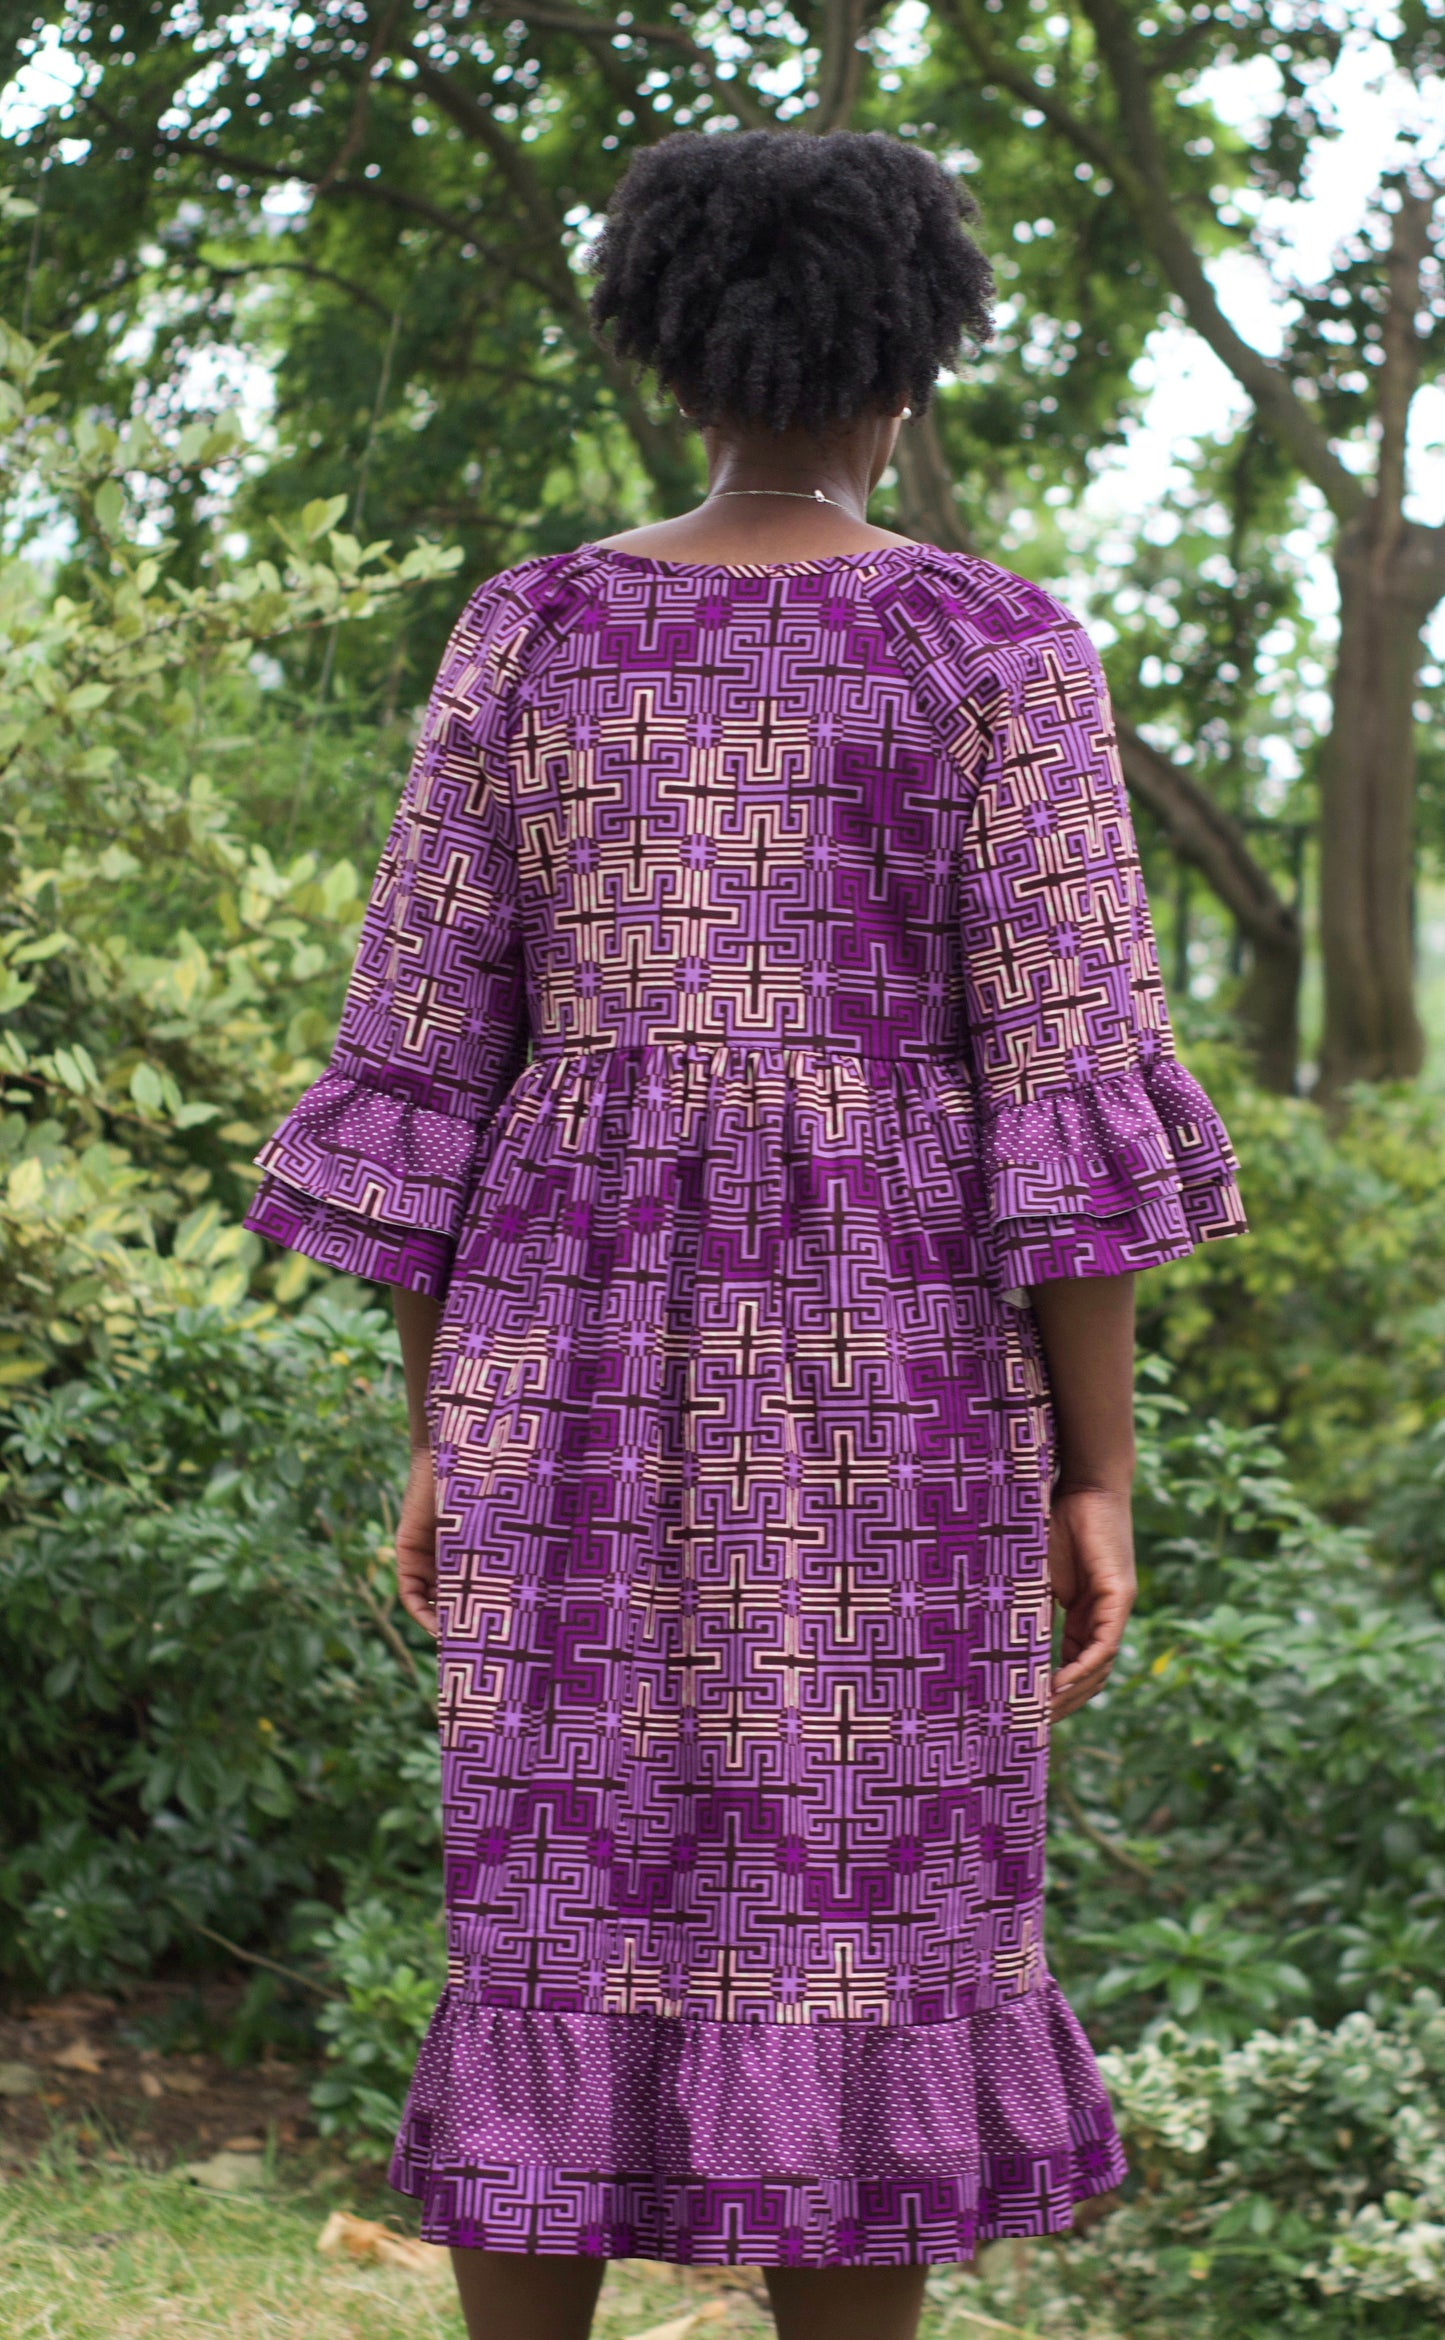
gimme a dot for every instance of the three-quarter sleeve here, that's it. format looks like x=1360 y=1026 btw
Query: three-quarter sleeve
x=371 y=1171
x=1100 y=1153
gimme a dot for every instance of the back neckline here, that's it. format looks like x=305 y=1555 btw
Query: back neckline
x=870 y=552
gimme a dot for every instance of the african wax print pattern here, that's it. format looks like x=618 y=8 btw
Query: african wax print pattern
x=757 y=995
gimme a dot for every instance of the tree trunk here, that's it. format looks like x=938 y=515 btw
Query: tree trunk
x=926 y=505
x=1267 y=1005
x=1367 y=809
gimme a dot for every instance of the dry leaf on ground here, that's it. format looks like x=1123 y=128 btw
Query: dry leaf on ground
x=81 y=2056
x=228 y=2173
x=363 y=2238
x=75 y=2007
x=19 y=2080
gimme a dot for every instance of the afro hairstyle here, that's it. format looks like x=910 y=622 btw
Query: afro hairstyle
x=777 y=277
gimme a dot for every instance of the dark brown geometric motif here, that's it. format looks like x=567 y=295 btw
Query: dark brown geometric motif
x=813 y=892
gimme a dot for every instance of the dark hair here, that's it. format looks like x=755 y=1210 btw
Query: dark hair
x=773 y=276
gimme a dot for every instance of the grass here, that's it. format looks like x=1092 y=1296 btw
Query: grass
x=115 y=2251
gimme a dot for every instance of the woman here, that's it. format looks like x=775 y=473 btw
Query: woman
x=768 y=1330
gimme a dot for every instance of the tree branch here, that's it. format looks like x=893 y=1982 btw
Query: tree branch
x=659 y=446
x=1095 y=1836
x=840 y=65
x=1145 y=188
x=1202 y=833
x=926 y=505
x=1278 y=402
x=220 y=274
x=308 y=1982
x=351 y=144
x=1400 y=358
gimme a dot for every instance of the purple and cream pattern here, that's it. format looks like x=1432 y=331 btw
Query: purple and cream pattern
x=758 y=992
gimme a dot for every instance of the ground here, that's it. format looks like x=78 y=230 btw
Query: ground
x=150 y=2189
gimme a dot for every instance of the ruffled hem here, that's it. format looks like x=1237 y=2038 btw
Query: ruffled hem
x=1113 y=1176
x=659 y=2137
x=378 y=1156
x=350 y=1246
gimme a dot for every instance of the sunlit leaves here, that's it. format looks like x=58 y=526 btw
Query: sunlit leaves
x=164 y=980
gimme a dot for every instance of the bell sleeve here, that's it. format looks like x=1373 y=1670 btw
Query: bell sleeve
x=1100 y=1153
x=371 y=1171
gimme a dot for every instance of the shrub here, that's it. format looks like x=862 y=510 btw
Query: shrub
x=1325 y=1324
x=387 y=1960
x=1250 y=1822
x=215 y=1707
x=1294 y=2184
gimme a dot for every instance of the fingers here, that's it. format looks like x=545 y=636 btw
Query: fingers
x=1073 y=1686
x=1085 y=1674
x=416 y=1584
x=416 y=1560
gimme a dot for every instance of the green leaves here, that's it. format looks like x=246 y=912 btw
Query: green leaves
x=207 y=1721
x=1267 y=1761
x=109 y=506
x=389 y=1958
x=320 y=516
x=166 y=980
x=1221 y=1979
x=1294 y=2184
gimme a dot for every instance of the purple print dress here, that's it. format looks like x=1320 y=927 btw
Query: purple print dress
x=757 y=994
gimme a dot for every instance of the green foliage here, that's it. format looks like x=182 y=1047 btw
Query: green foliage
x=1292 y=2185
x=1325 y=1323
x=165 y=987
x=388 y=1960
x=216 y=1708
x=1251 y=1822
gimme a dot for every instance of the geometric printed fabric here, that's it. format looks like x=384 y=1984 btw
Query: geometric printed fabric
x=757 y=994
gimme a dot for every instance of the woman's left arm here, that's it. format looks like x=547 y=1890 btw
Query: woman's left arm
x=417 y=1318
x=1086 y=1326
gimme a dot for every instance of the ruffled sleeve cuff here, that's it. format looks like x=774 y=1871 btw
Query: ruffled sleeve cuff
x=336 y=1238
x=1097 y=1181
x=367 y=1184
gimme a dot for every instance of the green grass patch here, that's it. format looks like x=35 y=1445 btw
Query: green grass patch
x=113 y=2251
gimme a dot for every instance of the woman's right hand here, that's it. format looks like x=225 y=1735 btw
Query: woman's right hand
x=416 y=1542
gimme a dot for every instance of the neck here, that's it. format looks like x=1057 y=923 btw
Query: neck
x=844 y=465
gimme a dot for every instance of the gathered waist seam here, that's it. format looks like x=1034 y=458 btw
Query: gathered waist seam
x=555 y=1053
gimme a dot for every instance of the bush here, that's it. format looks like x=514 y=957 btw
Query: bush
x=216 y=1708
x=1250 y=1822
x=1325 y=1325
x=388 y=1961
x=165 y=986
x=1294 y=2184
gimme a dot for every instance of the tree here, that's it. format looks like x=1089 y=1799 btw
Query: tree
x=426 y=316
x=1108 y=82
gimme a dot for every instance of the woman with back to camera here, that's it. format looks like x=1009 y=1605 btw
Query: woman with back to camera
x=768 y=1330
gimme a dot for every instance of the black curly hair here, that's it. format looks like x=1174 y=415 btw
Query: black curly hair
x=778 y=277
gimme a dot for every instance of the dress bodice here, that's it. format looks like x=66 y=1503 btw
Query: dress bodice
x=735 y=822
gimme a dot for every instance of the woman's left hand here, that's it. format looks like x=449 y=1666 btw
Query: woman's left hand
x=416 y=1543
x=1091 y=1570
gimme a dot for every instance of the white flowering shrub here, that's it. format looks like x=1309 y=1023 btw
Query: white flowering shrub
x=1294 y=2184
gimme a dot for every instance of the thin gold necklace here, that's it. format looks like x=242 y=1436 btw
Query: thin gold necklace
x=802 y=495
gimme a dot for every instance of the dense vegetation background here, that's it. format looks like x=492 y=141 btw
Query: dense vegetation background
x=214 y=636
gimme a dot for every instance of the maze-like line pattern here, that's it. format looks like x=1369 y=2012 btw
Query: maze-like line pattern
x=814 y=895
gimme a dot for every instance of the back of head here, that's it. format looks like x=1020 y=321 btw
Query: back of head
x=771 y=277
